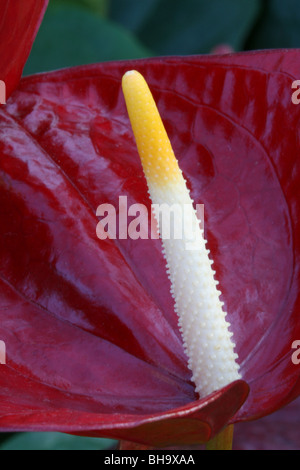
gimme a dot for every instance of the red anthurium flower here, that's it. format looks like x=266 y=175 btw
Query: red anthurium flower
x=19 y=25
x=91 y=336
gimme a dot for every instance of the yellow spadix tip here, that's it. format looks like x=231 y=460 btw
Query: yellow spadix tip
x=154 y=147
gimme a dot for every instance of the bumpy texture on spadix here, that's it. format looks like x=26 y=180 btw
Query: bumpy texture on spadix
x=206 y=337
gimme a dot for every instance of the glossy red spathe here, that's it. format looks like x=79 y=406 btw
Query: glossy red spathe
x=91 y=334
x=20 y=21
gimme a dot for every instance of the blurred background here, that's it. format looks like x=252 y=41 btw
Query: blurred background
x=76 y=32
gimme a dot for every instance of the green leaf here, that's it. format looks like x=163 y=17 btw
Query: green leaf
x=193 y=26
x=132 y=14
x=279 y=26
x=71 y=35
x=97 y=6
x=54 y=441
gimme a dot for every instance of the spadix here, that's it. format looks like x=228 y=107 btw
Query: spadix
x=202 y=321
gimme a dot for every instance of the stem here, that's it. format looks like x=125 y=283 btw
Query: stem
x=222 y=441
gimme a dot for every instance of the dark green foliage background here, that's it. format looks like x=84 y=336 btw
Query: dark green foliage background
x=76 y=32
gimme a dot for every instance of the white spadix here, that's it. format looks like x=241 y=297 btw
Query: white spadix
x=202 y=321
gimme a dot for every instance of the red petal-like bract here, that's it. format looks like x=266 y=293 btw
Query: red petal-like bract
x=19 y=24
x=277 y=431
x=91 y=335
